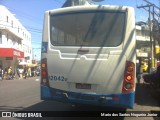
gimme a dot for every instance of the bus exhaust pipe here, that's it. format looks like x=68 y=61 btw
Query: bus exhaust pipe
x=65 y=95
x=101 y=99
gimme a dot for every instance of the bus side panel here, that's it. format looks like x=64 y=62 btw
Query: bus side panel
x=45 y=93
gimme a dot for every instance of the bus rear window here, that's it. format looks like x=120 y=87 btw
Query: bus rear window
x=93 y=29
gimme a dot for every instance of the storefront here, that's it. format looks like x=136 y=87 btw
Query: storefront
x=10 y=57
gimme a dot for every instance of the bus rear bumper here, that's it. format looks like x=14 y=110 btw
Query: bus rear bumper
x=123 y=100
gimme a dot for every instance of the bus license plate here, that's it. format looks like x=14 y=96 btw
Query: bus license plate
x=83 y=86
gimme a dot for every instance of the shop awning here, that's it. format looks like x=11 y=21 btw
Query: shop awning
x=11 y=52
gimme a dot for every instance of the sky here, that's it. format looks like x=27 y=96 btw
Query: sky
x=31 y=13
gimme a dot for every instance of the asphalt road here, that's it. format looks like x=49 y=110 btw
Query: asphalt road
x=24 y=95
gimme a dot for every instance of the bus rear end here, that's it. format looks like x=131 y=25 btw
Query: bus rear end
x=88 y=56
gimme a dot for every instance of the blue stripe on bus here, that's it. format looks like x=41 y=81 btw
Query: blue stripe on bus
x=125 y=100
x=45 y=92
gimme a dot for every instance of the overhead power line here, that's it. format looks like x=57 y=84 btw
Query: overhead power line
x=28 y=28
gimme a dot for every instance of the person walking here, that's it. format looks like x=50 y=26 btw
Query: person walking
x=10 y=75
x=25 y=72
x=17 y=70
x=138 y=72
x=29 y=71
x=1 y=72
x=16 y=75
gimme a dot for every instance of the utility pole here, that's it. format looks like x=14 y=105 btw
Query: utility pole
x=154 y=42
x=150 y=63
x=154 y=30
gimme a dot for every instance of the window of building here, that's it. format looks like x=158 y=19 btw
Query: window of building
x=0 y=37
x=138 y=32
x=1 y=62
x=7 y=19
x=12 y=23
x=14 y=41
x=7 y=37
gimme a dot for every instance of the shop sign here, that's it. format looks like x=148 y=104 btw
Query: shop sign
x=142 y=54
x=16 y=53
x=10 y=52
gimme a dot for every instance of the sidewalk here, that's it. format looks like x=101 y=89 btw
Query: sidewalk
x=30 y=78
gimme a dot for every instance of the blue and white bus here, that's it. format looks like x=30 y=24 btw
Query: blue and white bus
x=88 y=55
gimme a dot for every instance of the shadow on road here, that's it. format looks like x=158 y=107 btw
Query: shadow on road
x=9 y=108
x=144 y=97
x=58 y=106
x=63 y=109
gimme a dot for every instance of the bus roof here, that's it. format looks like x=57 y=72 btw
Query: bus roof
x=90 y=7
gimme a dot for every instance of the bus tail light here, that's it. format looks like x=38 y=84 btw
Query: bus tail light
x=44 y=72
x=129 y=77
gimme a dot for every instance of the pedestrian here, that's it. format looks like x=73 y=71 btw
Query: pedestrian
x=17 y=70
x=10 y=73
x=5 y=73
x=16 y=74
x=1 y=72
x=29 y=71
x=139 y=73
x=25 y=72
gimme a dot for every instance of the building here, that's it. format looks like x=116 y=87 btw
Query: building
x=15 y=40
x=142 y=41
x=147 y=51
